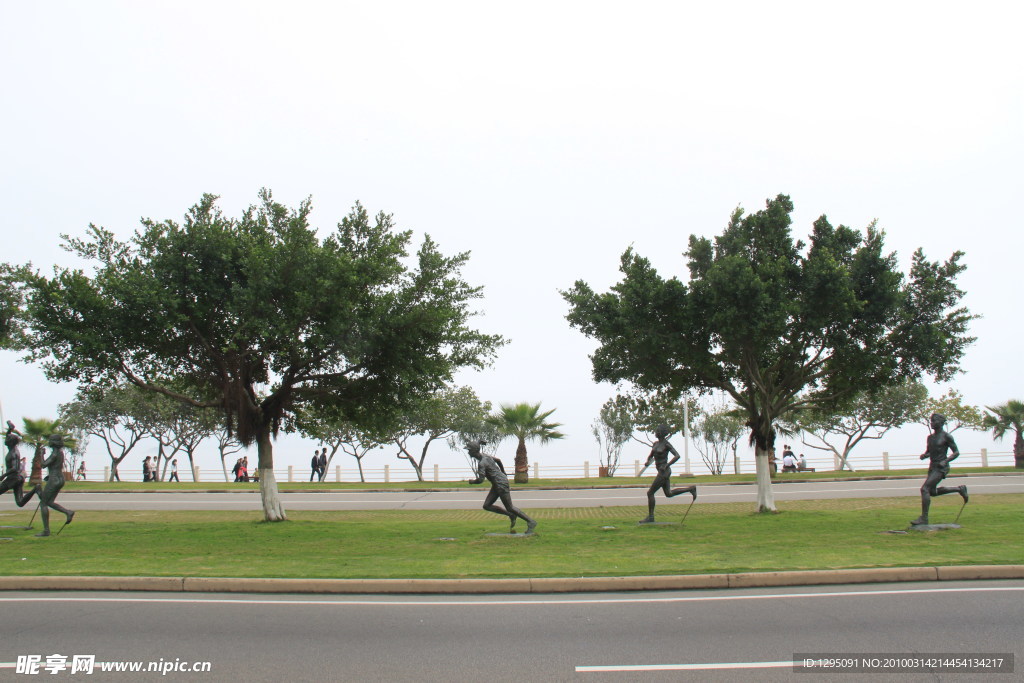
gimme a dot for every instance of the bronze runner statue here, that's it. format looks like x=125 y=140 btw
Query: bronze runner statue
x=939 y=443
x=54 y=483
x=488 y=469
x=13 y=478
x=662 y=480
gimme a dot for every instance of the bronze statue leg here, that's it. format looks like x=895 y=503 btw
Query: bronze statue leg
x=929 y=489
x=506 y=498
x=47 y=500
x=660 y=483
x=20 y=497
x=489 y=505
x=687 y=489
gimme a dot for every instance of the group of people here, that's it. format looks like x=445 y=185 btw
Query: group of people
x=318 y=465
x=790 y=463
x=149 y=470
x=241 y=469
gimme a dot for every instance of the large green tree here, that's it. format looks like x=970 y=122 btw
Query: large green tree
x=257 y=315
x=1008 y=417
x=525 y=422
x=116 y=415
x=612 y=429
x=11 y=302
x=448 y=411
x=717 y=432
x=869 y=415
x=959 y=415
x=329 y=425
x=777 y=324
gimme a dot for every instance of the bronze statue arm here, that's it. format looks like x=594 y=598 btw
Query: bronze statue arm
x=952 y=447
x=675 y=453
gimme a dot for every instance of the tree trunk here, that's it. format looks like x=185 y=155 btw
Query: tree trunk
x=1018 y=451
x=765 y=495
x=114 y=464
x=36 y=474
x=273 y=510
x=522 y=464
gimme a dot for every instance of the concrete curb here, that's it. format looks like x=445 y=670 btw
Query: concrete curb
x=523 y=585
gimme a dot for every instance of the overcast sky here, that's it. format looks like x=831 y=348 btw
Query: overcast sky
x=544 y=137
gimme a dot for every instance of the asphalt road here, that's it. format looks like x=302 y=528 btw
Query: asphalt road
x=472 y=499
x=749 y=635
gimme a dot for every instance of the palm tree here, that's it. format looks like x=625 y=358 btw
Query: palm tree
x=1005 y=417
x=524 y=421
x=37 y=434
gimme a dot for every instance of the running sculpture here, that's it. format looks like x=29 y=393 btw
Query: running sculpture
x=488 y=469
x=662 y=480
x=939 y=443
x=54 y=483
x=13 y=478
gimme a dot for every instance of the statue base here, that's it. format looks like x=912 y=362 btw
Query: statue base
x=934 y=527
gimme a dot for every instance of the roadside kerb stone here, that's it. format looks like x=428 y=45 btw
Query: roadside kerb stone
x=353 y=586
x=832 y=576
x=92 y=583
x=518 y=585
x=993 y=571
x=628 y=583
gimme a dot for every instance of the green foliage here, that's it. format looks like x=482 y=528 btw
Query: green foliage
x=951 y=405
x=776 y=324
x=525 y=422
x=118 y=416
x=12 y=297
x=255 y=316
x=612 y=429
x=1008 y=417
x=444 y=413
x=869 y=415
x=717 y=433
x=647 y=411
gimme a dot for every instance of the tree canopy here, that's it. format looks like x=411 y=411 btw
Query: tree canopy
x=257 y=315
x=959 y=415
x=777 y=324
x=446 y=412
x=869 y=415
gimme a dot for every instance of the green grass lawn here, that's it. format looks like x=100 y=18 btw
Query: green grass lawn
x=717 y=537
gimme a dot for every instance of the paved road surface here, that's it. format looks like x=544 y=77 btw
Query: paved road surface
x=749 y=635
x=472 y=499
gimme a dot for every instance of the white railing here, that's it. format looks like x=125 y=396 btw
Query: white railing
x=434 y=473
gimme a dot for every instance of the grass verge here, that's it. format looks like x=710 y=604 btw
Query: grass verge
x=717 y=537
